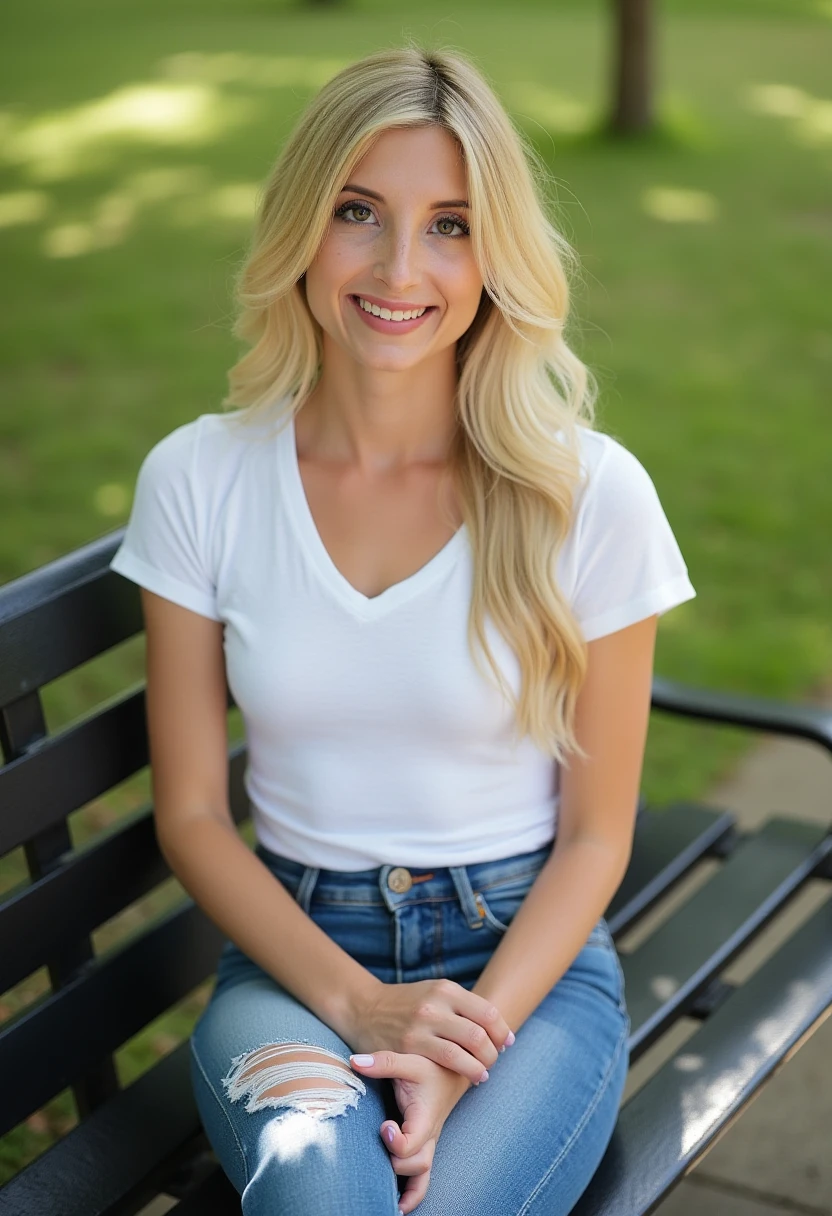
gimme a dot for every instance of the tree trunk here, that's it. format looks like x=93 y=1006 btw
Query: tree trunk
x=632 y=109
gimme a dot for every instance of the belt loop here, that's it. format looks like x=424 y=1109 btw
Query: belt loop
x=465 y=891
x=307 y=886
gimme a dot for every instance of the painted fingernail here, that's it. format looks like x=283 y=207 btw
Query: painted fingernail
x=389 y=1133
x=510 y=1037
x=363 y=1061
x=484 y=1076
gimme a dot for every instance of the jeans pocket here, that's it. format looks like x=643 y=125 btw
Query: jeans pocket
x=499 y=904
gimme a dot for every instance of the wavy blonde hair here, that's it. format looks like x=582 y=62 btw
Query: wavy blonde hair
x=521 y=392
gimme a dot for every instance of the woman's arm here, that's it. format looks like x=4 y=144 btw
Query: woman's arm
x=596 y=819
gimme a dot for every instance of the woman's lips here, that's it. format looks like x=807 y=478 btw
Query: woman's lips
x=390 y=327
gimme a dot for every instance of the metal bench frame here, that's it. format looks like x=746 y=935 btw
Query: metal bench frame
x=135 y=1143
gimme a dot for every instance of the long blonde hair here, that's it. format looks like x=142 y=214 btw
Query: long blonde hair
x=521 y=394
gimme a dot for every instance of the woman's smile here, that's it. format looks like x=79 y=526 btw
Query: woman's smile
x=387 y=319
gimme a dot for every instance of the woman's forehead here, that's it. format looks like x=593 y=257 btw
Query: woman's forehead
x=428 y=157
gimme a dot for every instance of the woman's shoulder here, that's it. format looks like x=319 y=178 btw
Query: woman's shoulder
x=208 y=449
x=609 y=470
x=600 y=451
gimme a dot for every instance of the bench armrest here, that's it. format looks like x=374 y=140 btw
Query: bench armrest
x=758 y=713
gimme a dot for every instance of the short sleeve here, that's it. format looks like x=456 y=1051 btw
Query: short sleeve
x=628 y=565
x=163 y=548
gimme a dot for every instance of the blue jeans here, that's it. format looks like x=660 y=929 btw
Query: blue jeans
x=524 y=1143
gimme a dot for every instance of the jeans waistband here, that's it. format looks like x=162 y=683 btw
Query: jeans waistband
x=423 y=884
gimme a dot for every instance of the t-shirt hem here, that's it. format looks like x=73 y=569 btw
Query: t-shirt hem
x=657 y=601
x=405 y=854
x=138 y=571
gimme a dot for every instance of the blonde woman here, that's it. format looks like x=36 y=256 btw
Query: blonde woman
x=433 y=590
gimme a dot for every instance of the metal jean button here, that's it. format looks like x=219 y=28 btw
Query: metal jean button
x=399 y=880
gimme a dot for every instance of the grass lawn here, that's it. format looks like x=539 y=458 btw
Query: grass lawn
x=134 y=137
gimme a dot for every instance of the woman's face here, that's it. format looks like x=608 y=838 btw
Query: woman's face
x=398 y=243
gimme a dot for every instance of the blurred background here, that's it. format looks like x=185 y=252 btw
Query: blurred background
x=691 y=168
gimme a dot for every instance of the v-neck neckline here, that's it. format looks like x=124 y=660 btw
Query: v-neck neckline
x=307 y=533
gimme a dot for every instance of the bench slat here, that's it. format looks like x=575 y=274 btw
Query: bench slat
x=667 y=844
x=665 y=1128
x=65 y=771
x=121 y=1144
x=42 y=919
x=668 y=971
x=56 y=618
x=50 y=1046
x=215 y=1196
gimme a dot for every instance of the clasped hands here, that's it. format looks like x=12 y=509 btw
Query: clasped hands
x=431 y=1039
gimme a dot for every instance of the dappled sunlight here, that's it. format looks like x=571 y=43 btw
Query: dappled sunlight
x=811 y=117
x=158 y=185
x=663 y=987
x=688 y=1062
x=109 y=224
x=555 y=111
x=235 y=202
x=23 y=207
x=261 y=71
x=111 y=499
x=288 y=1136
x=703 y=1104
x=189 y=200
x=62 y=143
x=674 y=206
x=69 y=240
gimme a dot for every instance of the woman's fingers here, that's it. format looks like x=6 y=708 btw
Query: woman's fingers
x=486 y=1015
x=450 y=1055
x=414 y=1191
x=408 y=1141
x=440 y=1051
x=390 y=1064
x=416 y=1165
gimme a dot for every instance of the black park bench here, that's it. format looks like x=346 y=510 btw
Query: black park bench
x=135 y=1143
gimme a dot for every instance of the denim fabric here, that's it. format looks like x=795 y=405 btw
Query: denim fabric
x=525 y=1143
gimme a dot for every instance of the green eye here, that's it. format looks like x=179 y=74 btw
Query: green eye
x=360 y=212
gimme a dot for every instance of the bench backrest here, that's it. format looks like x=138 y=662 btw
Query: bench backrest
x=51 y=622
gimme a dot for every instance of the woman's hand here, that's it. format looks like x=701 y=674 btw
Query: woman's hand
x=437 y=1019
x=425 y=1095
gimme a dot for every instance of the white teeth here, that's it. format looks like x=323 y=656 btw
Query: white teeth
x=386 y=314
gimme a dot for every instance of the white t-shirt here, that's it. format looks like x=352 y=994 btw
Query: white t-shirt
x=372 y=737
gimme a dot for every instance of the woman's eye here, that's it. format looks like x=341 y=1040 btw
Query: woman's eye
x=447 y=224
x=360 y=213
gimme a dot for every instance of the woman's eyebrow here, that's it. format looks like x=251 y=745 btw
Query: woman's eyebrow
x=453 y=202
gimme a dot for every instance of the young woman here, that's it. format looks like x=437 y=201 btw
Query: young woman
x=433 y=589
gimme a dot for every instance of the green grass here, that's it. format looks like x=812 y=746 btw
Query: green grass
x=711 y=337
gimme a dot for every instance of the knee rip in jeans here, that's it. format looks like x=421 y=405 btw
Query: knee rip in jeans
x=293 y=1077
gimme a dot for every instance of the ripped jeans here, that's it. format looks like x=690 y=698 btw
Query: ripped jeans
x=525 y=1143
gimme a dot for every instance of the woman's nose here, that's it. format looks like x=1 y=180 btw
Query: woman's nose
x=397 y=264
